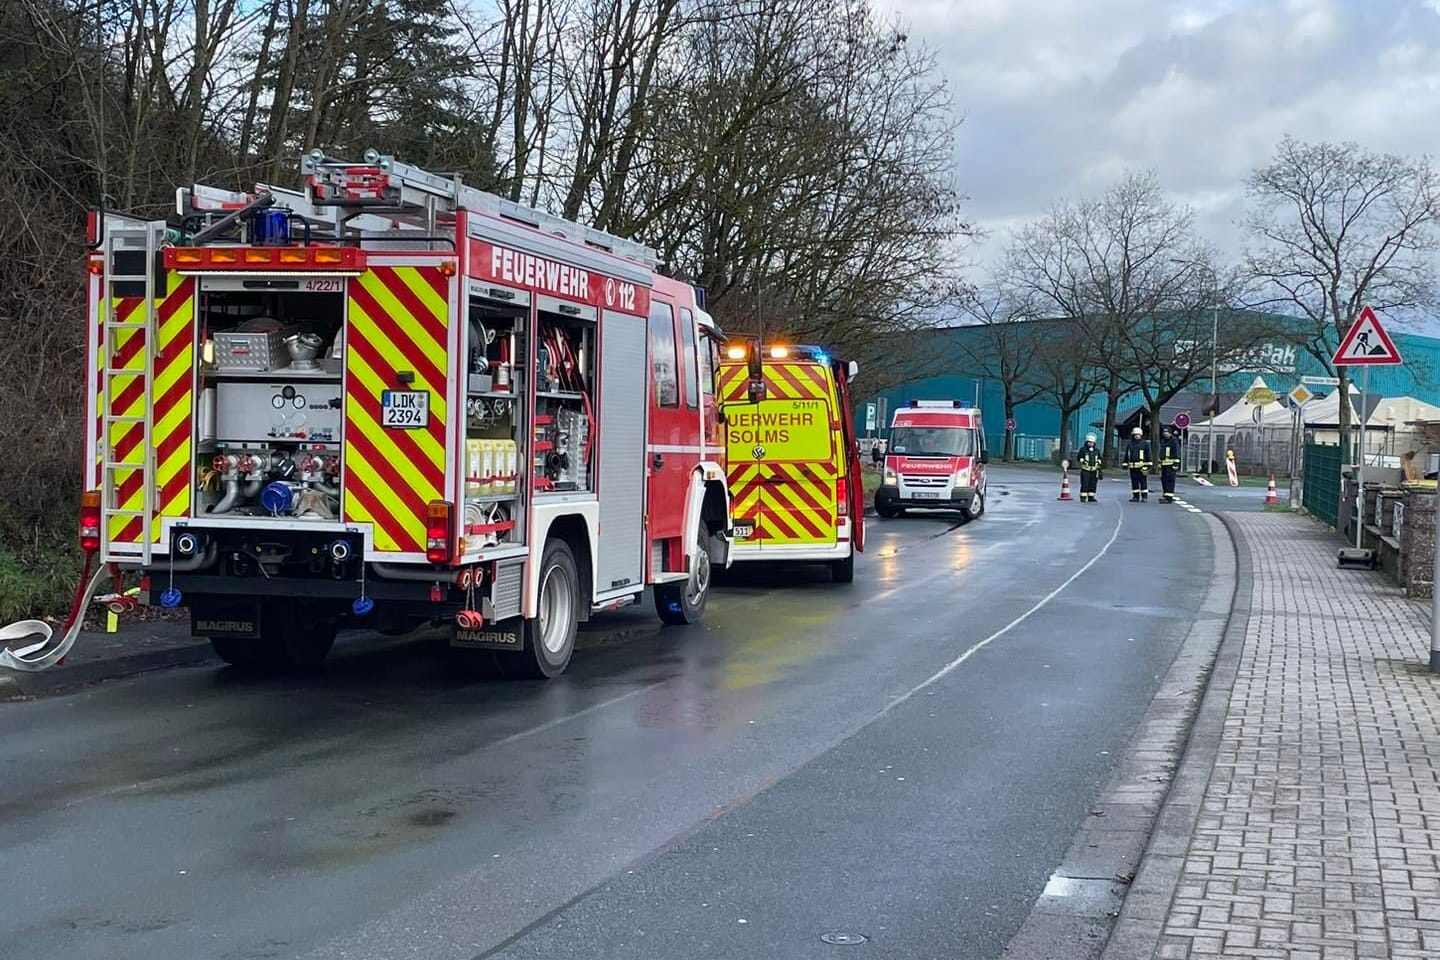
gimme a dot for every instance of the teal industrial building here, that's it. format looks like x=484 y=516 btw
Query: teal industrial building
x=950 y=371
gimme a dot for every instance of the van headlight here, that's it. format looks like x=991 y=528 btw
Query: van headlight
x=962 y=477
x=890 y=478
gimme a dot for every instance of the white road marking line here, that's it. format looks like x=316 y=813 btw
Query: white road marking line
x=953 y=665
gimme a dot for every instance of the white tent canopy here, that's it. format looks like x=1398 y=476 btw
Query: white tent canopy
x=1392 y=412
x=1242 y=413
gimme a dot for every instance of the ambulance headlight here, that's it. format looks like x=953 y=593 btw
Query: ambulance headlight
x=890 y=478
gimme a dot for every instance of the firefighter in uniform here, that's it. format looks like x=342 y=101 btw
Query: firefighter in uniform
x=1169 y=463
x=1138 y=460
x=1090 y=460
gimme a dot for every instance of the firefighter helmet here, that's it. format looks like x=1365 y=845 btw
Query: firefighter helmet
x=1137 y=432
x=1089 y=438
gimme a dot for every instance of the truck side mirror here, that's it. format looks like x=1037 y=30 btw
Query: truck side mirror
x=852 y=369
x=984 y=456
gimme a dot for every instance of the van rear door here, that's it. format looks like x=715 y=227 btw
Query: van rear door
x=795 y=450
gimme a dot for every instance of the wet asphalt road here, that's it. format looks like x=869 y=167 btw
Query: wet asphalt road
x=904 y=758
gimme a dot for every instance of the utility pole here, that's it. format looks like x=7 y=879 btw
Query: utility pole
x=1214 y=370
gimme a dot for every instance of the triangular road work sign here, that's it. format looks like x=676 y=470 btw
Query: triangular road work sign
x=1366 y=343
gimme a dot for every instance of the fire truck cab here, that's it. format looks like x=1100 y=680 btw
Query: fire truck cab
x=935 y=459
x=392 y=399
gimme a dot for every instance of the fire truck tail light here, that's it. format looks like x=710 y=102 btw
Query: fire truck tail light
x=439 y=530
x=735 y=353
x=188 y=257
x=90 y=521
x=223 y=256
x=294 y=256
x=842 y=499
x=96 y=267
x=328 y=256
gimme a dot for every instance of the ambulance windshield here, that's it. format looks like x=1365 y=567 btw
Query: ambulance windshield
x=932 y=441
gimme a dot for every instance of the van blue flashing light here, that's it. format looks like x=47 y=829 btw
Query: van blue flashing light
x=964 y=404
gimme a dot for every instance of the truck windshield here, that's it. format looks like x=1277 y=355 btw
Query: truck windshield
x=932 y=441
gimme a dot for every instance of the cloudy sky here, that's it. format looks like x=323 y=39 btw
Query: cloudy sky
x=1059 y=96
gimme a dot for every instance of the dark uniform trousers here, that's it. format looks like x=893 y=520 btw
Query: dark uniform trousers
x=1137 y=459
x=1169 y=464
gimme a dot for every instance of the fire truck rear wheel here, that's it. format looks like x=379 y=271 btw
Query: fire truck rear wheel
x=244 y=654
x=550 y=636
x=683 y=601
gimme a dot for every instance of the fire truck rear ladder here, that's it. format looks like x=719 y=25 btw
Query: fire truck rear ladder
x=111 y=469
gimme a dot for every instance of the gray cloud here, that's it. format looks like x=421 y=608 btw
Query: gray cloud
x=1059 y=96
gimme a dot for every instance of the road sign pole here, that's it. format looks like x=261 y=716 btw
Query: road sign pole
x=1360 y=460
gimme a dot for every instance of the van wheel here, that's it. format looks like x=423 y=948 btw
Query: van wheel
x=683 y=601
x=886 y=511
x=977 y=507
x=843 y=571
x=550 y=636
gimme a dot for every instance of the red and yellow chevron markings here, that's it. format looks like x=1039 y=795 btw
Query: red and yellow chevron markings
x=172 y=412
x=786 y=502
x=174 y=420
x=783 y=381
x=398 y=320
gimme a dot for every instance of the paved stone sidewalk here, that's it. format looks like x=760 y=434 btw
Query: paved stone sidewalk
x=1319 y=835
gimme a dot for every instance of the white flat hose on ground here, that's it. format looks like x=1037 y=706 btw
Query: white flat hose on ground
x=33 y=657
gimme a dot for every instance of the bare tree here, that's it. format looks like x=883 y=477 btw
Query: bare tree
x=1007 y=349
x=1334 y=227
x=1116 y=265
x=1061 y=370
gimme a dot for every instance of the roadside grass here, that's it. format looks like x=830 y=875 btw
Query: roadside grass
x=37 y=585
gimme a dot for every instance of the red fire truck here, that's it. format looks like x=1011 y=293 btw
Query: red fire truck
x=391 y=399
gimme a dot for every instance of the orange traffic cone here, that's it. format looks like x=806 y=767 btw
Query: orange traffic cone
x=1065 y=486
x=1270 y=496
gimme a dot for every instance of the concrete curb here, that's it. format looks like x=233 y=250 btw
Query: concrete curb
x=1108 y=870
x=1137 y=933
x=61 y=679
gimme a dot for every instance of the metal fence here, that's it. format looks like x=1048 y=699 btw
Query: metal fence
x=1028 y=447
x=1322 y=481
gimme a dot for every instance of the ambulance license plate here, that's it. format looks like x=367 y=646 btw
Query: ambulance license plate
x=926 y=495
x=743 y=531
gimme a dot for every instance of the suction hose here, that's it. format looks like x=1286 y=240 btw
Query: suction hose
x=34 y=657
